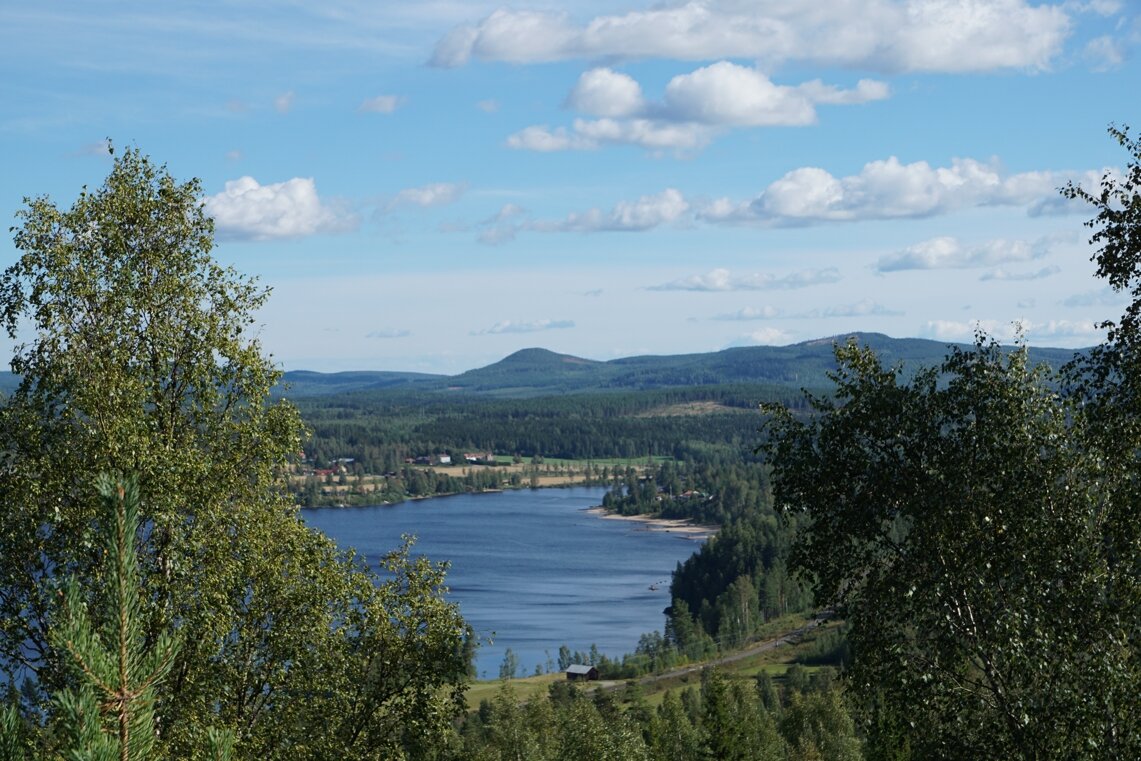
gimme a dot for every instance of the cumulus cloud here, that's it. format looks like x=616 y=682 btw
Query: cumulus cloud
x=603 y=92
x=381 y=104
x=886 y=189
x=1033 y=332
x=1055 y=204
x=589 y=134
x=694 y=108
x=724 y=280
x=950 y=253
x=248 y=210
x=888 y=35
x=644 y=214
x=726 y=93
x=511 y=326
x=434 y=194
x=964 y=331
x=389 y=333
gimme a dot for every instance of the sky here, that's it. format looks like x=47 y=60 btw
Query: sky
x=431 y=185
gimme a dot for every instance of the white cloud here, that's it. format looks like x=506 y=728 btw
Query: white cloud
x=949 y=253
x=604 y=92
x=751 y=313
x=381 y=104
x=647 y=133
x=502 y=226
x=1002 y=274
x=1100 y=7
x=1033 y=332
x=510 y=326
x=591 y=134
x=644 y=214
x=1086 y=329
x=694 y=108
x=892 y=35
x=728 y=94
x=862 y=308
x=488 y=106
x=248 y=210
x=964 y=332
x=544 y=139
x=887 y=189
x=389 y=333
x=867 y=90
x=434 y=194
x=764 y=337
x=284 y=102
x=1055 y=204
x=723 y=280
x=1104 y=53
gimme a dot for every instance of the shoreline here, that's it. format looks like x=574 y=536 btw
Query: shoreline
x=423 y=497
x=685 y=528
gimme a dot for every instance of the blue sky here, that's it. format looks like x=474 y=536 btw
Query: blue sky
x=432 y=185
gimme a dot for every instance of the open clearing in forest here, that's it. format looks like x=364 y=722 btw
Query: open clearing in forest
x=787 y=639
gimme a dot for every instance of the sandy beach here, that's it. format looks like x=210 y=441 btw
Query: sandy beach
x=680 y=526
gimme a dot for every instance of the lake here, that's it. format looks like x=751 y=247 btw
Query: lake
x=530 y=569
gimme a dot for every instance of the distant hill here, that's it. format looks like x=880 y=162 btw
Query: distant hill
x=538 y=372
x=308 y=383
x=8 y=382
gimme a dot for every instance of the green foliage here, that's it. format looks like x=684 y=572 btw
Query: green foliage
x=961 y=506
x=979 y=526
x=110 y=713
x=817 y=725
x=15 y=740
x=509 y=668
x=140 y=361
x=740 y=579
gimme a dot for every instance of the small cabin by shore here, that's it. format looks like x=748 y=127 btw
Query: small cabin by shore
x=578 y=672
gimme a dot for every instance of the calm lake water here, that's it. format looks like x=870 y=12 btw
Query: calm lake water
x=529 y=569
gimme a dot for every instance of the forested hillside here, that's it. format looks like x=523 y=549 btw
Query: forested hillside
x=539 y=372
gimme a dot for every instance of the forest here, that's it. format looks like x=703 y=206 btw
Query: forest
x=974 y=523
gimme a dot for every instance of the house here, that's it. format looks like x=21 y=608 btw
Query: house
x=579 y=672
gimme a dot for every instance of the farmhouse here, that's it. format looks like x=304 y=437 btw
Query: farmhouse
x=576 y=672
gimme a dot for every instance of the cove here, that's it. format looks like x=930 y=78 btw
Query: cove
x=530 y=570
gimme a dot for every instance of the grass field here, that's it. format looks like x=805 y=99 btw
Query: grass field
x=650 y=689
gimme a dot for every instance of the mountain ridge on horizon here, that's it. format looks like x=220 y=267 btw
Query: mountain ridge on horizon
x=536 y=371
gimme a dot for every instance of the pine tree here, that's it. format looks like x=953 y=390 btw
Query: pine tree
x=110 y=712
